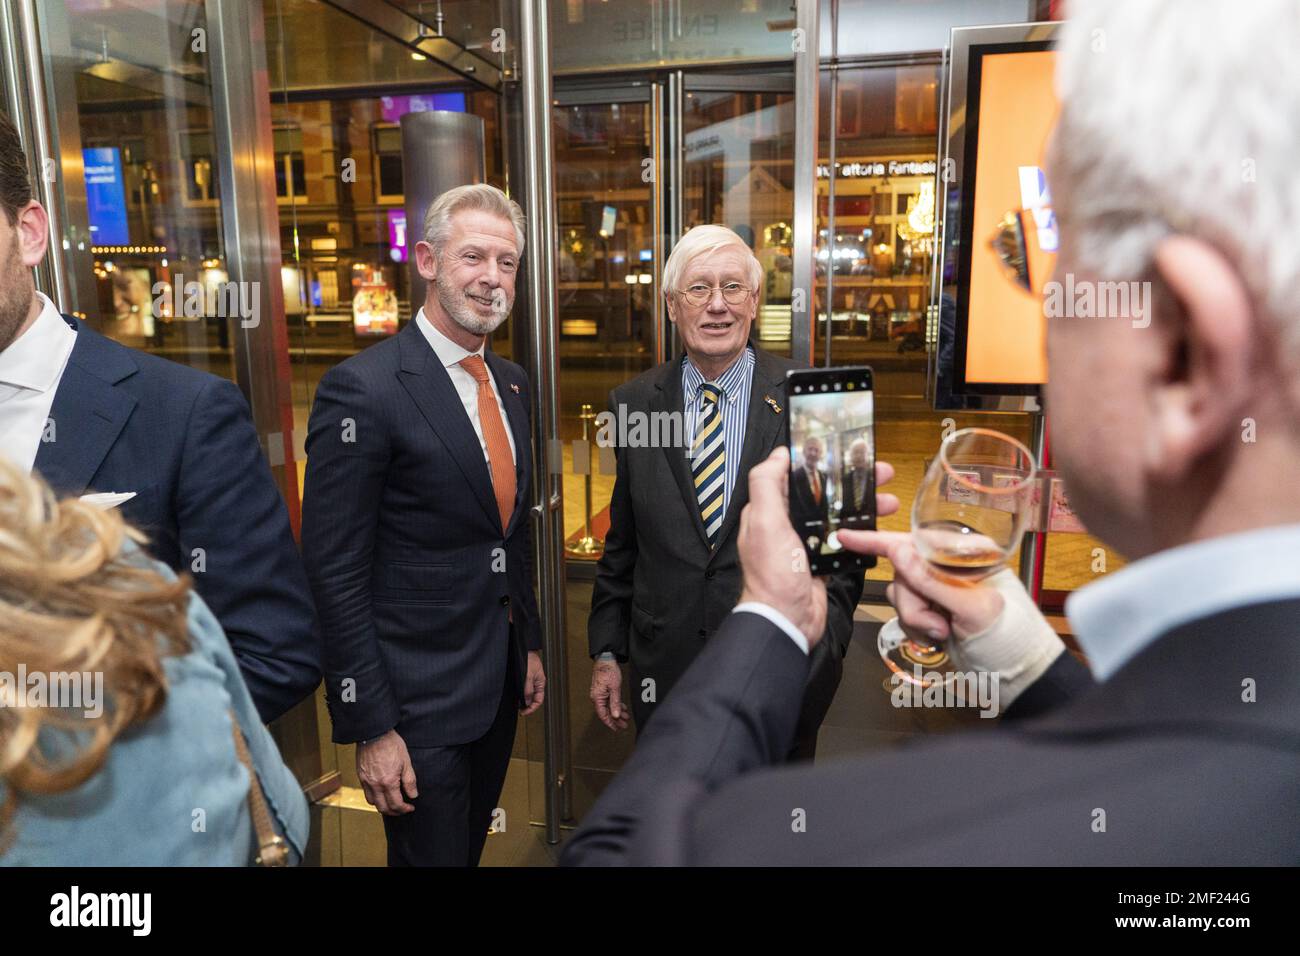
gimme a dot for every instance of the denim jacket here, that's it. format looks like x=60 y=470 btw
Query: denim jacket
x=172 y=791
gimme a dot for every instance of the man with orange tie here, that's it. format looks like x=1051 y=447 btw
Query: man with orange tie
x=808 y=493
x=415 y=535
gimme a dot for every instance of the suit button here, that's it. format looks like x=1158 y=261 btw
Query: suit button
x=505 y=600
x=703 y=632
x=708 y=575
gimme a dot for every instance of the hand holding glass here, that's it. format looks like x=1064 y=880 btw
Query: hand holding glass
x=967 y=519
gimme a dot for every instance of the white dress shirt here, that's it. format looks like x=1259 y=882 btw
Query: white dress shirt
x=1117 y=617
x=30 y=371
x=451 y=354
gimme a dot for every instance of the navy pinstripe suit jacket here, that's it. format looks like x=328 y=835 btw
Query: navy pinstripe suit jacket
x=415 y=580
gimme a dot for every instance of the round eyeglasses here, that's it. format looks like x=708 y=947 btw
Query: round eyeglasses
x=697 y=294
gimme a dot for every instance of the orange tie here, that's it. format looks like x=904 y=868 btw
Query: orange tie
x=494 y=433
x=816 y=486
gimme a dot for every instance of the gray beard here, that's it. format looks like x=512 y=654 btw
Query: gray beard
x=463 y=314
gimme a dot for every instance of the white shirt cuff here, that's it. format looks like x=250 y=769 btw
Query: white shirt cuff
x=777 y=618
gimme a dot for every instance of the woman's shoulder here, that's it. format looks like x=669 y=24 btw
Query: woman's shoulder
x=170 y=792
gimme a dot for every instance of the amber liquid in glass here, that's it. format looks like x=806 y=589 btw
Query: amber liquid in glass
x=959 y=551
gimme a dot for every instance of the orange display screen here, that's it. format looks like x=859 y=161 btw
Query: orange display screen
x=1013 y=233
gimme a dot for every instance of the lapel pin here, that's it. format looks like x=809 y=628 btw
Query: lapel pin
x=772 y=401
x=514 y=388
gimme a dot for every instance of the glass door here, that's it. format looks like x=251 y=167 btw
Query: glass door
x=738 y=171
x=636 y=164
x=608 y=255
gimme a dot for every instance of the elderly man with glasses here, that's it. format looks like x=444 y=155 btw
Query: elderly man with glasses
x=670 y=575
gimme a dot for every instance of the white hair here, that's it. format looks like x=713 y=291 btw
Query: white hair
x=477 y=196
x=700 y=241
x=1182 y=118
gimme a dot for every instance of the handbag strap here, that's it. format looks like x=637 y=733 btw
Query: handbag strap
x=271 y=848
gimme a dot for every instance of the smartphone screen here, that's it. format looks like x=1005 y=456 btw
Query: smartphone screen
x=832 y=462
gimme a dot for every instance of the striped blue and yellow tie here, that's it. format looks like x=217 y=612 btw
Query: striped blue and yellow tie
x=709 y=460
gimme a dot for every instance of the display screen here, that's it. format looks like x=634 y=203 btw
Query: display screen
x=1009 y=234
x=393 y=108
x=832 y=457
x=105 y=196
x=397 y=235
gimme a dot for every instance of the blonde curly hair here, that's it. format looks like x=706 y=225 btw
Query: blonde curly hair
x=70 y=601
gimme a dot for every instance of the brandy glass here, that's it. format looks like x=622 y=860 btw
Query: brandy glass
x=969 y=513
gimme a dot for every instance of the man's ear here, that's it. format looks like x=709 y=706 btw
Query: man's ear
x=1205 y=383
x=426 y=263
x=33 y=233
x=672 y=307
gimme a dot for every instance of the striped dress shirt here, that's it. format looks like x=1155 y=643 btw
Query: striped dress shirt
x=735 y=383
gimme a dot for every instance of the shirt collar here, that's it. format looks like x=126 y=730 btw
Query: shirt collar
x=449 y=353
x=1118 y=616
x=729 y=381
x=36 y=359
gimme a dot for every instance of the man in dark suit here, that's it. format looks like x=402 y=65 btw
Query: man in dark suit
x=856 y=481
x=92 y=416
x=809 y=492
x=1175 y=431
x=417 y=544
x=669 y=574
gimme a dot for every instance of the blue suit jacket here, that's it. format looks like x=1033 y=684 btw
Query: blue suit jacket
x=183 y=441
x=415 y=579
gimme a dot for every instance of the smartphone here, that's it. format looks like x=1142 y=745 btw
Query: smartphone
x=831 y=434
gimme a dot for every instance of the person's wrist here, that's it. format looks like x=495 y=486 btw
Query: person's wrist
x=801 y=621
x=1018 y=645
x=991 y=607
x=374 y=739
x=776 y=617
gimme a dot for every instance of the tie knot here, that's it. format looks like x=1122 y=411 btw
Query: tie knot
x=475 y=365
x=711 y=392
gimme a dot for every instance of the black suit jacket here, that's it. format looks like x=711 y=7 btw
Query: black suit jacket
x=804 y=504
x=660 y=591
x=183 y=441
x=415 y=579
x=1167 y=755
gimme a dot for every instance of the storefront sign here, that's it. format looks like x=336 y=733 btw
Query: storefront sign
x=877 y=167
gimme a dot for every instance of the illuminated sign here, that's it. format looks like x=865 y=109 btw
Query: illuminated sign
x=105 y=197
x=879 y=167
x=393 y=108
x=397 y=250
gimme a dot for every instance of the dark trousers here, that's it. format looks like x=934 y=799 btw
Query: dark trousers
x=459 y=788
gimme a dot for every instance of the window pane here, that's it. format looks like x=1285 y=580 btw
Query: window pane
x=141 y=115
x=882 y=261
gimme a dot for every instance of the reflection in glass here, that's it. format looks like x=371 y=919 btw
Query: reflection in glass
x=139 y=120
x=739 y=173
